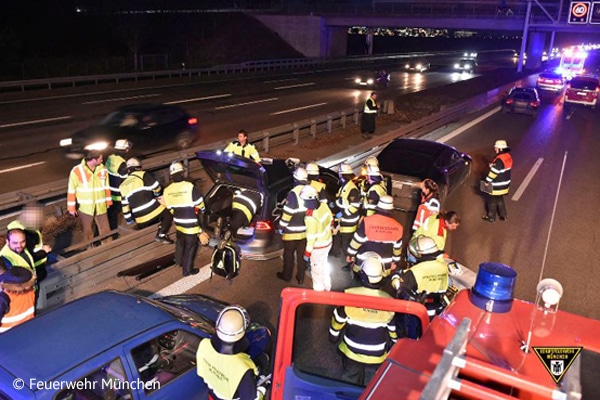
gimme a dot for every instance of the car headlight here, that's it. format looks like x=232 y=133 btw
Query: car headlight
x=370 y=81
x=98 y=146
x=457 y=65
x=418 y=66
x=407 y=66
x=66 y=142
x=357 y=80
x=468 y=66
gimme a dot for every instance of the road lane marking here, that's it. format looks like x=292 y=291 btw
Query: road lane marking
x=527 y=180
x=184 y=284
x=216 y=96
x=294 y=86
x=281 y=80
x=468 y=125
x=298 y=109
x=142 y=96
x=2 y=171
x=246 y=104
x=36 y=121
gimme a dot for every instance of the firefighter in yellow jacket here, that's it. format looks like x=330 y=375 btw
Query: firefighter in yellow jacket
x=347 y=204
x=242 y=147
x=318 y=221
x=88 y=194
x=364 y=335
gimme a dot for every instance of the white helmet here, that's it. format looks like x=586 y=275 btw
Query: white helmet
x=422 y=245
x=232 y=324
x=372 y=161
x=133 y=163
x=123 y=144
x=300 y=174
x=175 y=167
x=501 y=144
x=312 y=168
x=386 y=203
x=371 y=270
x=373 y=170
x=344 y=169
x=309 y=193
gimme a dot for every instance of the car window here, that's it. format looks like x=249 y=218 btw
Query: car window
x=164 y=358
x=523 y=96
x=447 y=158
x=120 y=118
x=106 y=382
x=167 y=116
x=584 y=84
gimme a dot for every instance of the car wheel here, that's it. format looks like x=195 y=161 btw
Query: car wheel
x=184 y=140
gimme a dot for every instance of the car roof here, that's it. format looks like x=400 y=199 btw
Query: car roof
x=415 y=157
x=53 y=343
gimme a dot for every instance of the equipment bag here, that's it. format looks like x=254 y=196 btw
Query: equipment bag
x=225 y=261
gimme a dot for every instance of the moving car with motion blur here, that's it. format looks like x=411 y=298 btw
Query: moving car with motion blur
x=406 y=162
x=147 y=126
x=112 y=345
x=468 y=65
x=417 y=64
x=550 y=81
x=522 y=100
x=272 y=178
x=582 y=91
x=378 y=78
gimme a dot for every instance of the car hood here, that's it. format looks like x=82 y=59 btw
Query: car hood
x=234 y=170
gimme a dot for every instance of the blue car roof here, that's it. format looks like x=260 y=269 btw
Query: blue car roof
x=50 y=344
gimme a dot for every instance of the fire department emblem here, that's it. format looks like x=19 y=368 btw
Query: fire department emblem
x=557 y=360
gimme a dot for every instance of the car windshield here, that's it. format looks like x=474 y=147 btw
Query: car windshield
x=120 y=118
x=184 y=315
x=584 y=84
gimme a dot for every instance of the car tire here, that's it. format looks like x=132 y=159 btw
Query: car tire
x=184 y=140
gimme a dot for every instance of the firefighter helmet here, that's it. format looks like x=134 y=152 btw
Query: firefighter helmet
x=133 y=163
x=386 y=203
x=372 y=161
x=123 y=144
x=371 y=269
x=312 y=169
x=501 y=144
x=422 y=245
x=300 y=174
x=232 y=324
x=309 y=193
x=373 y=170
x=344 y=169
x=175 y=168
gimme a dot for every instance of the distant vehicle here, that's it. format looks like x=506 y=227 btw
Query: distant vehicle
x=112 y=345
x=406 y=162
x=273 y=178
x=550 y=81
x=466 y=65
x=417 y=64
x=572 y=63
x=522 y=100
x=470 y=54
x=378 y=78
x=583 y=91
x=148 y=126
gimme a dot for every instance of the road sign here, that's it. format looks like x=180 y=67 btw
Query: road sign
x=580 y=12
x=595 y=13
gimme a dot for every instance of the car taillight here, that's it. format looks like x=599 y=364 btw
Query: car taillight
x=509 y=101
x=192 y=121
x=534 y=103
x=264 y=226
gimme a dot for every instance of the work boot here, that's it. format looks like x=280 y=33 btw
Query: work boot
x=193 y=271
x=163 y=238
x=218 y=226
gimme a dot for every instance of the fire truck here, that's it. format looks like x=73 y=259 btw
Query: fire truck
x=572 y=63
x=484 y=345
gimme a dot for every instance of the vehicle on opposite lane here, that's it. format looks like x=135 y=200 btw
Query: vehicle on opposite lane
x=522 y=100
x=148 y=126
x=373 y=79
x=467 y=65
x=417 y=64
x=114 y=345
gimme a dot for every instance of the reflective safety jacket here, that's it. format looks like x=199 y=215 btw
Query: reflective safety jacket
x=186 y=203
x=379 y=233
x=318 y=228
x=14 y=259
x=348 y=201
x=320 y=188
x=34 y=243
x=248 y=202
x=435 y=228
x=117 y=172
x=224 y=374
x=372 y=196
x=88 y=189
x=140 y=192
x=370 y=106
x=248 y=150
x=499 y=174
x=368 y=333
x=21 y=305
x=429 y=206
x=292 y=219
x=430 y=276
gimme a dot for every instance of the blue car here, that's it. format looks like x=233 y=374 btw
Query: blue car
x=111 y=345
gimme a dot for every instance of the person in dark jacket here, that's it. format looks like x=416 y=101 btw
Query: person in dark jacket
x=117 y=172
x=499 y=177
x=367 y=125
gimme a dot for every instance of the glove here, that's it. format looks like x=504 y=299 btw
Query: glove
x=306 y=257
x=280 y=231
x=338 y=215
x=130 y=221
x=204 y=238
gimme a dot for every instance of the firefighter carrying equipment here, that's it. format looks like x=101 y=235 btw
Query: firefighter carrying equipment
x=500 y=173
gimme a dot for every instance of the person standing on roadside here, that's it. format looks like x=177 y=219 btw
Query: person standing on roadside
x=499 y=177
x=242 y=147
x=186 y=203
x=367 y=124
x=88 y=195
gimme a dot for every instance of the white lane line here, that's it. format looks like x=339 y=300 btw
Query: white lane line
x=121 y=99
x=527 y=180
x=294 y=86
x=297 y=109
x=468 y=125
x=2 y=171
x=281 y=80
x=246 y=104
x=216 y=96
x=37 y=121
x=184 y=284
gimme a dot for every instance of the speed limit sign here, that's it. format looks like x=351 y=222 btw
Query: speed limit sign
x=580 y=11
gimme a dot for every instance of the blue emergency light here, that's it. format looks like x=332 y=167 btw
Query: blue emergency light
x=494 y=287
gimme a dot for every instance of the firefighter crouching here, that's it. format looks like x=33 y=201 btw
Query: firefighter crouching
x=244 y=206
x=364 y=335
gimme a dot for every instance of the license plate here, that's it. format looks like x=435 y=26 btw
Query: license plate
x=584 y=94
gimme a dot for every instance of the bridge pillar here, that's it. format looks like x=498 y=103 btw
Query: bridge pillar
x=535 y=49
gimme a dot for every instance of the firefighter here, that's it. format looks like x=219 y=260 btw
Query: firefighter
x=375 y=189
x=242 y=147
x=380 y=233
x=430 y=202
x=348 y=206
x=318 y=222
x=117 y=172
x=244 y=206
x=499 y=177
x=437 y=227
x=312 y=169
x=17 y=296
x=141 y=199
x=293 y=229
x=184 y=200
x=222 y=361
x=364 y=335
x=361 y=181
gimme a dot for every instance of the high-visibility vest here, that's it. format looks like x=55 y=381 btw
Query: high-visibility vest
x=370 y=106
x=428 y=207
x=368 y=332
x=185 y=201
x=222 y=373
x=248 y=202
x=248 y=150
x=139 y=194
x=431 y=276
x=348 y=201
x=435 y=228
x=318 y=227
x=88 y=189
x=292 y=219
x=22 y=308
x=25 y=259
x=499 y=174
x=117 y=173
x=372 y=196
